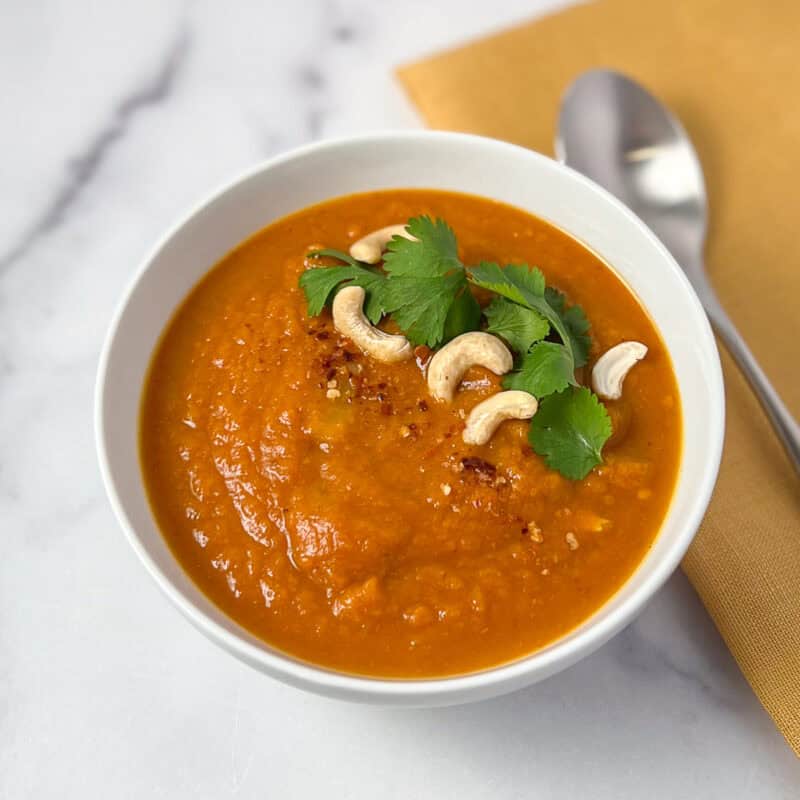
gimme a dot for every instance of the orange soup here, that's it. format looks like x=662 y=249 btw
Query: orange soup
x=329 y=504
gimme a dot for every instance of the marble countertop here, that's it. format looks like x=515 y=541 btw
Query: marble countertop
x=117 y=117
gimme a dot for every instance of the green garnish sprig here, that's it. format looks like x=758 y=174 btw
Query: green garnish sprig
x=423 y=285
x=425 y=288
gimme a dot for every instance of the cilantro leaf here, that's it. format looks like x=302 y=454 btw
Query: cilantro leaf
x=433 y=254
x=574 y=321
x=464 y=315
x=569 y=431
x=522 y=285
x=517 y=282
x=546 y=369
x=339 y=255
x=529 y=278
x=421 y=306
x=426 y=289
x=556 y=298
x=518 y=325
x=320 y=283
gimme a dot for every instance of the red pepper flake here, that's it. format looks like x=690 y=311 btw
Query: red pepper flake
x=422 y=351
x=422 y=354
x=322 y=336
x=422 y=405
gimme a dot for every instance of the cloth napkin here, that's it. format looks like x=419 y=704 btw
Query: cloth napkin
x=731 y=71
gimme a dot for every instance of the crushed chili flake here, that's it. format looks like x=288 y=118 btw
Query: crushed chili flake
x=422 y=355
x=422 y=351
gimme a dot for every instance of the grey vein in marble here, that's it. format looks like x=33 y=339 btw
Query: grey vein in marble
x=82 y=169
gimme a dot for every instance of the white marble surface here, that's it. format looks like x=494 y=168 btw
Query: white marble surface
x=115 y=118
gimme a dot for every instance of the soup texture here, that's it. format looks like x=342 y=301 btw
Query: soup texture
x=327 y=502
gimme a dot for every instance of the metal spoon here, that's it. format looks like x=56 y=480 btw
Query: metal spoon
x=616 y=133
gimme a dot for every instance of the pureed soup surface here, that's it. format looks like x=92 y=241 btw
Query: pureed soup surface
x=358 y=531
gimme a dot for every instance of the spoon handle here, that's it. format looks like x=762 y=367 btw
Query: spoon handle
x=781 y=418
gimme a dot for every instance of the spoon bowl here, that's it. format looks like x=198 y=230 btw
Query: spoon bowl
x=614 y=131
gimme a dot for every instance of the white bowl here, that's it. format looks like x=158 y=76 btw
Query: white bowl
x=397 y=160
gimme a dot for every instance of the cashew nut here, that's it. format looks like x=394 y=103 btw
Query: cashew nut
x=449 y=364
x=349 y=319
x=611 y=368
x=483 y=420
x=369 y=248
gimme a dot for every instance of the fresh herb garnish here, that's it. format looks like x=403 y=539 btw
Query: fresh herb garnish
x=546 y=369
x=526 y=287
x=425 y=288
x=569 y=431
x=339 y=255
x=575 y=323
x=319 y=284
x=519 y=326
x=464 y=315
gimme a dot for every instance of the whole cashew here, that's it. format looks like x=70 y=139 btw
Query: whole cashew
x=369 y=248
x=449 y=364
x=349 y=319
x=611 y=368
x=483 y=420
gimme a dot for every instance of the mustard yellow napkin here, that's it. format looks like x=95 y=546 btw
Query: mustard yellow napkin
x=731 y=70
